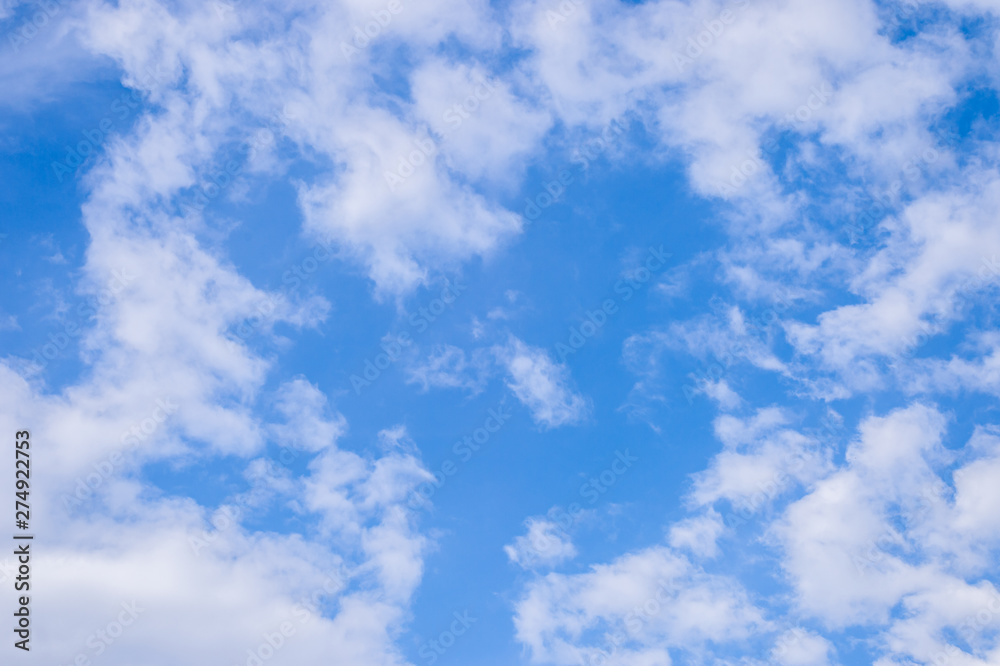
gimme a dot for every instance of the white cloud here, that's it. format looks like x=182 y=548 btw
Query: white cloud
x=544 y=545
x=448 y=366
x=632 y=611
x=176 y=333
x=698 y=535
x=486 y=130
x=542 y=385
x=797 y=647
x=881 y=532
x=720 y=391
x=325 y=109
x=845 y=97
x=866 y=545
x=879 y=542
x=307 y=427
x=912 y=287
x=760 y=462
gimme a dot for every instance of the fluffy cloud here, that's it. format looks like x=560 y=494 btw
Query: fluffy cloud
x=879 y=542
x=699 y=534
x=759 y=463
x=886 y=531
x=545 y=544
x=914 y=287
x=542 y=385
x=631 y=611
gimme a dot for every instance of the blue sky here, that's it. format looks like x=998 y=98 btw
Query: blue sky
x=518 y=333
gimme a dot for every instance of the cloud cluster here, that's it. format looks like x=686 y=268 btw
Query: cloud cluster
x=402 y=157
